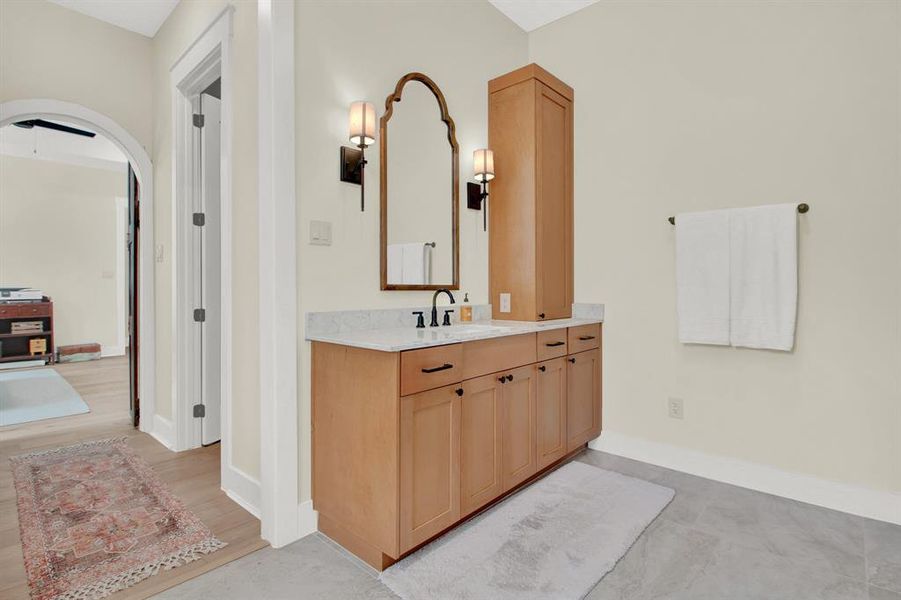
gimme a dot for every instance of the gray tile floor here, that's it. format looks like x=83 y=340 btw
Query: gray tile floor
x=714 y=541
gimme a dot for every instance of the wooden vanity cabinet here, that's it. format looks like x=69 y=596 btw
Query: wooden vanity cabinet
x=429 y=464
x=519 y=425
x=481 y=446
x=550 y=437
x=583 y=393
x=530 y=130
x=408 y=444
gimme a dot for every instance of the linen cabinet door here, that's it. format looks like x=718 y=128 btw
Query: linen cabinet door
x=551 y=399
x=583 y=398
x=429 y=464
x=519 y=426
x=554 y=204
x=480 y=443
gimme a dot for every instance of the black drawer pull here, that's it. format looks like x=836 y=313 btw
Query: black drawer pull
x=585 y=338
x=443 y=367
x=554 y=344
x=542 y=368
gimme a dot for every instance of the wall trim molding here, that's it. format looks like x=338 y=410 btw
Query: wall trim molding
x=279 y=428
x=163 y=430
x=107 y=351
x=242 y=488
x=208 y=57
x=856 y=500
x=307 y=519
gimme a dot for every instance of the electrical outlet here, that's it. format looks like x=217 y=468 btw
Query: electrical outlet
x=675 y=408
x=505 y=303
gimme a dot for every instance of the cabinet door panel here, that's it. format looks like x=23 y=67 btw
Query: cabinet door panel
x=551 y=399
x=480 y=443
x=553 y=204
x=583 y=398
x=519 y=412
x=429 y=464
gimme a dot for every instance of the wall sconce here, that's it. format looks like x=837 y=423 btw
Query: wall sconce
x=483 y=171
x=362 y=135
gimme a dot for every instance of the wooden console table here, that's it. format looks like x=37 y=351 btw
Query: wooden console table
x=15 y=346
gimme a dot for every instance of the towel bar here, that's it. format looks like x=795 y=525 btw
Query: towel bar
x=802 y=208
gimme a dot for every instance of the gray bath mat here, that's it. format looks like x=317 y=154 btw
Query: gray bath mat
x=37 y=394
x=553 y=541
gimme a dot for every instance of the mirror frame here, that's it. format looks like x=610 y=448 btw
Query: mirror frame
x=383 y=183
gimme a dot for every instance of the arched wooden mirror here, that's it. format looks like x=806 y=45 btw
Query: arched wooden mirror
x=419 y=189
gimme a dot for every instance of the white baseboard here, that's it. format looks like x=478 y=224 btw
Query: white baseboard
x=242 y=488
x=874 y=504
x=164 y=431
x=308 y=519
x=107 y=351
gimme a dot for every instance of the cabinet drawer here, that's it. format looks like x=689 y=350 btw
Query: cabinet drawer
x=497 y=354
x=551 y=344
x=32 y=310
x=584 y=337
x=7 y=310
x=430 y=368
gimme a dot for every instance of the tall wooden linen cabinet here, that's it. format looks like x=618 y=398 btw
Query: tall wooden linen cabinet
x=530 y=207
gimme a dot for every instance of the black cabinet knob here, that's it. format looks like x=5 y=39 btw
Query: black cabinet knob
x=509 y=377
x=572 y=360
x=542 y=368
x=502 y=379
x=459 y=391
x=540 y=315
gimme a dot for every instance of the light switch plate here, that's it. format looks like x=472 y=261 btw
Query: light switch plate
x=320 y=233
x=505 y=303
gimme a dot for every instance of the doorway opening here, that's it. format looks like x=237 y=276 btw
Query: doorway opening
x=69 y=273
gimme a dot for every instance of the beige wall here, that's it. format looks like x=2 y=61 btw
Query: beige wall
x=47 y=51
x=58 y=233
x=685 y=106
x=461 y=45
x=186 y=23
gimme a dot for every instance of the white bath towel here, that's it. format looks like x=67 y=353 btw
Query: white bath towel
x=417 y=263
x=764 y=279
x=395 y=263
x=702 y=277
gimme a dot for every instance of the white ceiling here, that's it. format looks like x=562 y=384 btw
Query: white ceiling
x=140 y=16
x=47 y=144
x=532 y=14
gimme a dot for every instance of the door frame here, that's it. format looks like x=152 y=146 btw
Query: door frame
x=208 y=58
x=20 y=110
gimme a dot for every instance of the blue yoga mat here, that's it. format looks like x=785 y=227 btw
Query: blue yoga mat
x=37 y=394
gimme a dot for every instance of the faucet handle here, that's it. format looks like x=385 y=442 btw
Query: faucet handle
x=420 y=321
x=447 y=314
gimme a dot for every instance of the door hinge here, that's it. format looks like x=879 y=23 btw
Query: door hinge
x=200 y=315
x=199 y=411
x=198 y=121
x=199 y=219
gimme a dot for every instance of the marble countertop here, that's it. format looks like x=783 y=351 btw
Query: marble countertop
x=397 y=339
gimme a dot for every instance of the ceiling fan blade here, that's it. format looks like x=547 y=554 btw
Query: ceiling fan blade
x=31 y=123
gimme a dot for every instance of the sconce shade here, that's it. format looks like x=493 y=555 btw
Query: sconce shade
x=483 y=164
x=362 y=123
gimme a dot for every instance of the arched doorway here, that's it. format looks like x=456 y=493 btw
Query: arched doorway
x=20 y=110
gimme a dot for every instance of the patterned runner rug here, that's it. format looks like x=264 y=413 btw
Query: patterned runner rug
x=94 y=519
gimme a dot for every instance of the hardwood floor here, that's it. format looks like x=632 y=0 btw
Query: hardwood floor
x=193 y=476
